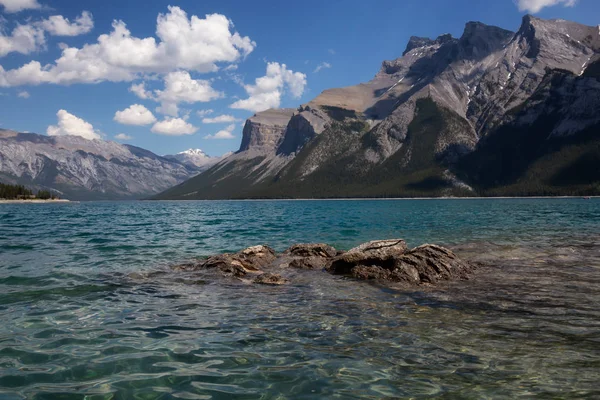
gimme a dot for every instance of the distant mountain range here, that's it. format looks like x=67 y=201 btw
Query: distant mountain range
x=197 y=158
x=81 y=169
x=493 y=112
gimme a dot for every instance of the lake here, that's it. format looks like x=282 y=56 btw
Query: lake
x=88 y=312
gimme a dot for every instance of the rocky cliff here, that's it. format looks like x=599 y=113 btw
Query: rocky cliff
x=264 y=131
x=492 y=112
x=81 y=169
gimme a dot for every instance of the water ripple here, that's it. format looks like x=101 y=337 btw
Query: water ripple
x=89 y=309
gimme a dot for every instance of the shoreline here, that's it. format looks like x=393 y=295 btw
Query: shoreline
x=64 y=201
x=36 y=201
x=393 y=198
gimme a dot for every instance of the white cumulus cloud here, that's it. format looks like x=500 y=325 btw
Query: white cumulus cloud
x=267 y=90
x=135 y=114
x=220 y=119
x=181 y=88
x=24 y=94
x=71 y=125
x=122 y=136
x=24 y=39
x=139 y=89
x=226 y=133
x=174 y=127
x=182 y=43
x=31 y=37
x=58 y=25
x=13 y=6
x=535 y=6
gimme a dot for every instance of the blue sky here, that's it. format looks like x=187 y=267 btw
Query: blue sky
x=190 y=81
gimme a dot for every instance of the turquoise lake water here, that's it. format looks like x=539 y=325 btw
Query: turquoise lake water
x=89 y=308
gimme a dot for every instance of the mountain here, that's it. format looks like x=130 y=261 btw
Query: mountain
x=493 y=112
x=81 y=169
x=196 y=158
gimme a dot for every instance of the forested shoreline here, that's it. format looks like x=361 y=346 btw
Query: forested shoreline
x=20 y=192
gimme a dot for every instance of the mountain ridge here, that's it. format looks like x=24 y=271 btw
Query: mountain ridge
x=83 y=169
x=422 y=125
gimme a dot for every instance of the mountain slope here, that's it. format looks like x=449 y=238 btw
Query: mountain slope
x=549 y=147
x=81 y=169
x=484 y=114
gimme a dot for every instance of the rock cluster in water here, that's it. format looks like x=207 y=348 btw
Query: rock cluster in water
x=383 y=260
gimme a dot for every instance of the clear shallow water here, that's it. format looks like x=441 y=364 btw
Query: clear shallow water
x=87 y=310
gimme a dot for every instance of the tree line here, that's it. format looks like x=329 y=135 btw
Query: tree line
x=15 y=192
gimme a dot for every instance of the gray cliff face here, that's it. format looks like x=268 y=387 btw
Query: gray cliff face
x=82 y=169
x=282 y=132
x=304 y=125
x=572 y=101
x=539 y=46
x=264 y=131
x=270 y=139
x=421 y=114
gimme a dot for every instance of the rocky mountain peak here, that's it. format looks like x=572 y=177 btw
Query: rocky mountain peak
x=527 y=29
x=416 y=42
x=194 y=158
x=479 y=39
x=194 y=152
x=558 y=44
x=548 y=29
x=444 y=38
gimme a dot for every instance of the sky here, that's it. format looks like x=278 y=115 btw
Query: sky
x=172 y=75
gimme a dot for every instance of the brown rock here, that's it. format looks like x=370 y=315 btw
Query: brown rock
x=381 y=248
x=312 y=250
x=309 y=263
x=258 y=256
x=228 y=264
x=378 y=252
x=432 y=263
x=385 y=260
x=423 y=264
x=311 y=255
x=247 y=261
x=370 y=273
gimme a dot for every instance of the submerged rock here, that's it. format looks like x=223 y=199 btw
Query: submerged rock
x=381 y=248
x=383 y=260
x=270 y=279
x=247 y=261
x=379 y=253
x=311 y=255
x=426 y=264
x=433 y=263
x=312 y=250
x=258 y=256
x=309 y=263
x=229 y=264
